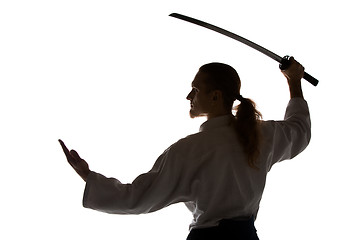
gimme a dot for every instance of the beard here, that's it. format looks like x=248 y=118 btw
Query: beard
x=193 y=113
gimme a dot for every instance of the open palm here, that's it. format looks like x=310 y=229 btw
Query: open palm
x=77 y=163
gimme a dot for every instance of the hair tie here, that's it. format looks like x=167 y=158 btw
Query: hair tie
x=240 y=98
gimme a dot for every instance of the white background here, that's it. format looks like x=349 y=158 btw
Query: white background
x=110 y=78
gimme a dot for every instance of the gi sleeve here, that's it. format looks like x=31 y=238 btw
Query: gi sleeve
x=149 y=192
x=286 y=139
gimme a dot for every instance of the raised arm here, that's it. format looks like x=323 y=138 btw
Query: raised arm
x=294 y=73
x=287 y=138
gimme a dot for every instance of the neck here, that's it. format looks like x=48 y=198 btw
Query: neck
x=218 y=114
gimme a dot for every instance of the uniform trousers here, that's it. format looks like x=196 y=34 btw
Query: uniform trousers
x=226 y=230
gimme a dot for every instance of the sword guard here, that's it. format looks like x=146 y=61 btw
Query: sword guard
x=284 y=63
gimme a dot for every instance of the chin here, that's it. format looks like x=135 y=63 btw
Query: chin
x=193 y=114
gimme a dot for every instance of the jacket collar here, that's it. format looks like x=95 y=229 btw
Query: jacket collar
x=217 y=122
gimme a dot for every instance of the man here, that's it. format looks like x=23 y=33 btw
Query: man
x=220 y=172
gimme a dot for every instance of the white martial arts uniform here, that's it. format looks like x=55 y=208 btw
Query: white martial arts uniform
x=207 y=170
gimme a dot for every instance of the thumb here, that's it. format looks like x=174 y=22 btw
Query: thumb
x=75 y=155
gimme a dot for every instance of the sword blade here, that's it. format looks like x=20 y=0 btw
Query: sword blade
x=245 y=41
x=229 y=34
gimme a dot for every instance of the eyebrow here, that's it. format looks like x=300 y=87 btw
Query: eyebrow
x=193 y=86
x=196 y=83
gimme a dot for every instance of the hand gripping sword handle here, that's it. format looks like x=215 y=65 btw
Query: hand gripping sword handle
x=284 y=64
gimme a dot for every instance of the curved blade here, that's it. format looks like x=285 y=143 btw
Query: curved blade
x=229 y=34
x=249 y=43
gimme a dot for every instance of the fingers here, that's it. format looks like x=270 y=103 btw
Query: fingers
x=65 y=149
x=294 y=71
x=78 y=164
x=297 y=65
x=72 y=156
x=75 y=155
x=293 y=64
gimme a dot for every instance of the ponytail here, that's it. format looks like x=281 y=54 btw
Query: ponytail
x=225 y=78
x=247 y=127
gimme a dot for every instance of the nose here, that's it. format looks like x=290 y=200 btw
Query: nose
x=189 y=97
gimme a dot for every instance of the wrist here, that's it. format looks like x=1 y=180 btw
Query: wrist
x=84 y=175
x=296 y=91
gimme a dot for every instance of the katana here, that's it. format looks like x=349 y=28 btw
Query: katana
x=283 y=61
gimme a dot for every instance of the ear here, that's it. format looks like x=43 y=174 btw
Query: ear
x=216 y=95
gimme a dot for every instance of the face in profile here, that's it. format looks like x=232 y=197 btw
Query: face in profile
x=199 y=97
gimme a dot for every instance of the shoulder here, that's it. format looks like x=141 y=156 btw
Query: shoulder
x=192 y=146
x=187 y=142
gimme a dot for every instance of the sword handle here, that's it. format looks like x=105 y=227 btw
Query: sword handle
x=310 y=79
x=285 y=63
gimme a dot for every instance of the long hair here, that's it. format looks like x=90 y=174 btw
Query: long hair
x=225 y=78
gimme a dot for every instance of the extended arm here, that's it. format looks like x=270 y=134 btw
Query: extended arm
x=163 y=185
